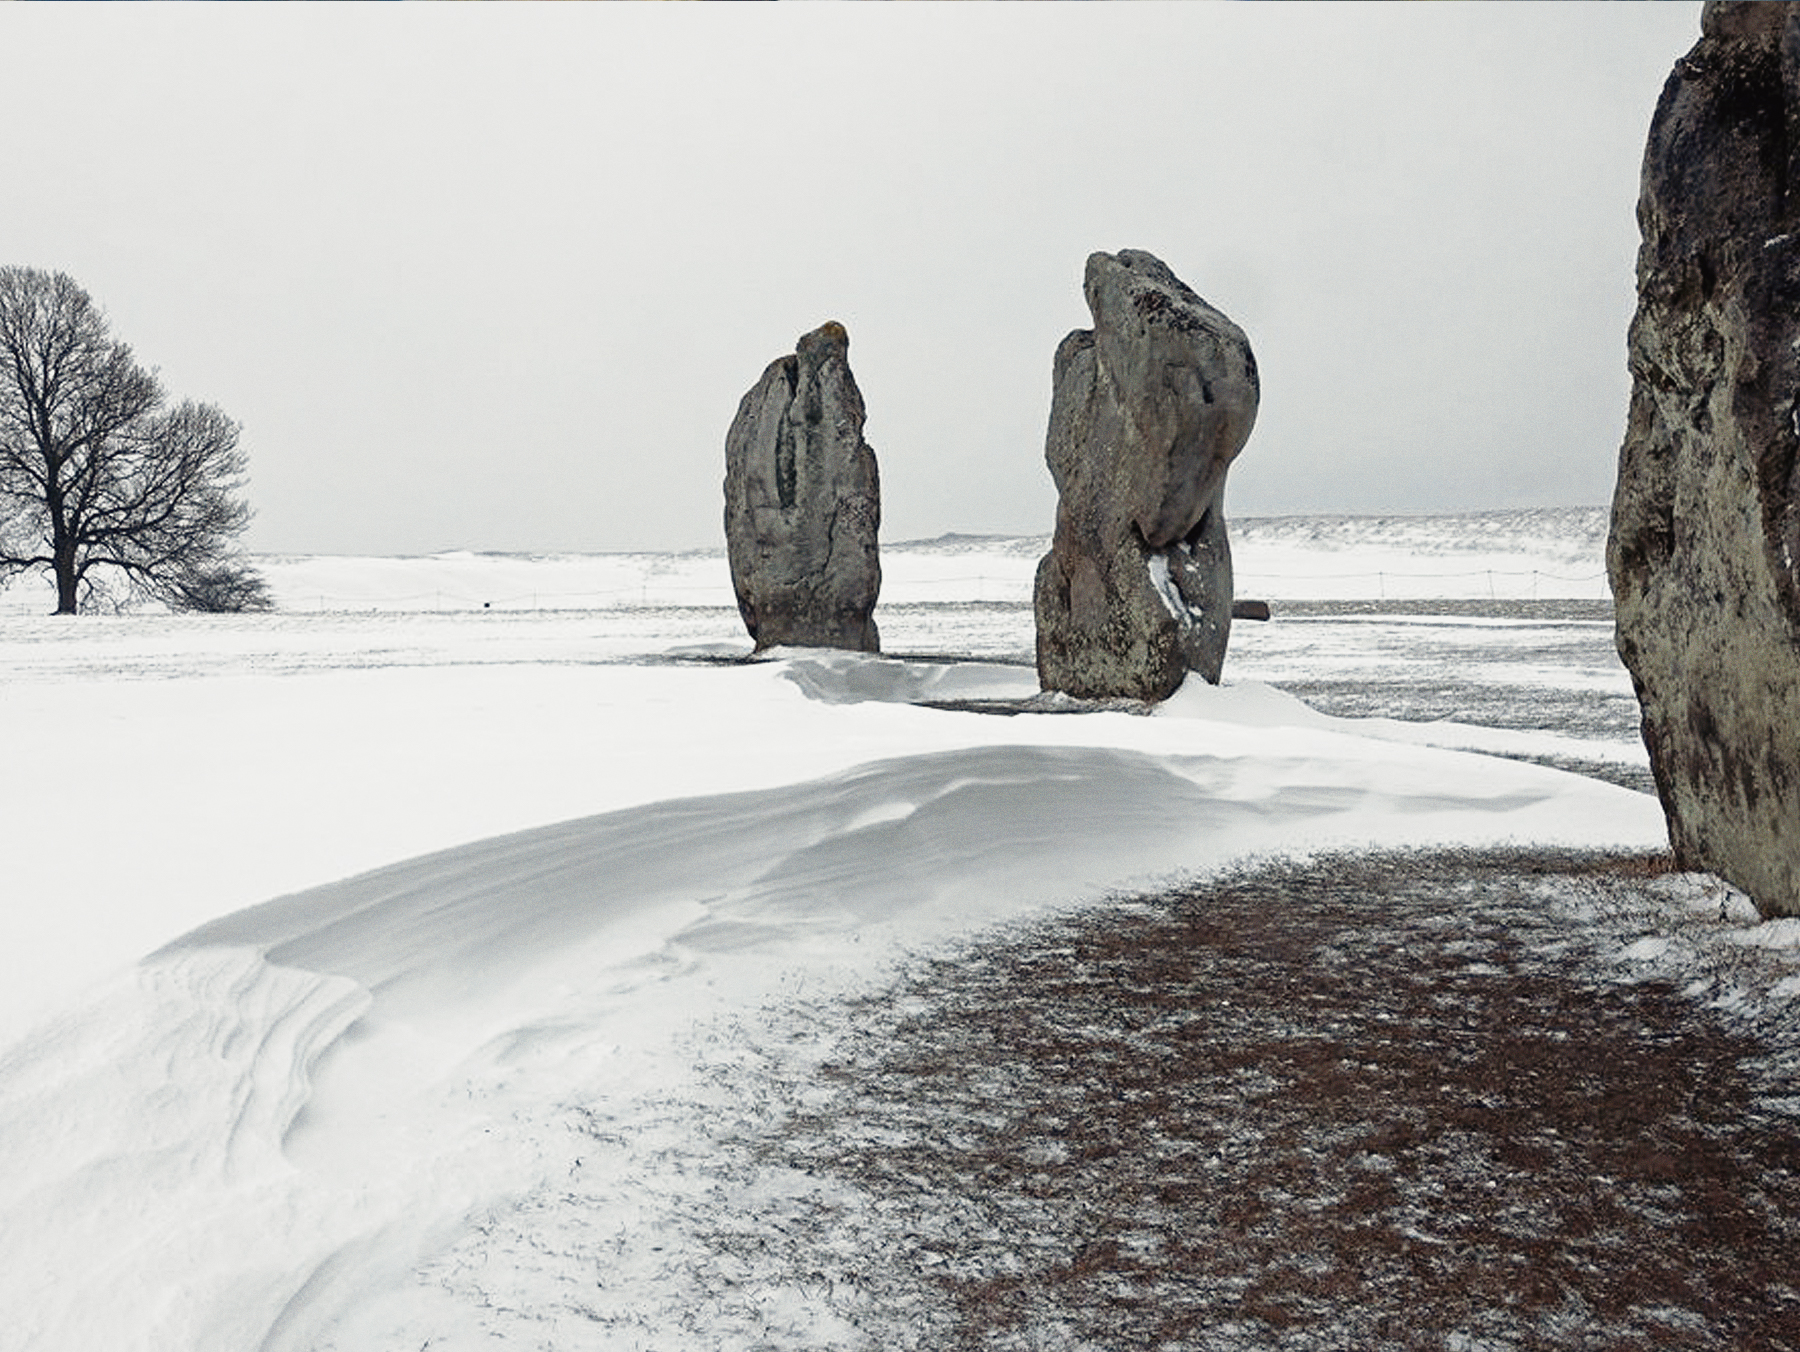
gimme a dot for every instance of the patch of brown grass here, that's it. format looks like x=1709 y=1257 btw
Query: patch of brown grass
x=1373 y=1101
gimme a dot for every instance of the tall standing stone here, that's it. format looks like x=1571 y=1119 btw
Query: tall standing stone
x=803 y=502
x=1148 y=409
x=1706 y=515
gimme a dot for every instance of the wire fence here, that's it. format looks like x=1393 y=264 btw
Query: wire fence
x=1382 y=577
x=1498 y=583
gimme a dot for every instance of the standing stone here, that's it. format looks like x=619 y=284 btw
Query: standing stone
x=803 y=503
x=1148 y=409
x=1706 y=515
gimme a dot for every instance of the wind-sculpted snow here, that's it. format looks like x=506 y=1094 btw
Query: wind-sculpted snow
x=840 y=678
x=262 y=1129
x=143 y=1137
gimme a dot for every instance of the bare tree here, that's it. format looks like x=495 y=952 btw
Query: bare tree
x=100 y=481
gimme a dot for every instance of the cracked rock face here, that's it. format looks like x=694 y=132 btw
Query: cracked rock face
x=803 y=503
x=1148 y=410
x=1706 y=514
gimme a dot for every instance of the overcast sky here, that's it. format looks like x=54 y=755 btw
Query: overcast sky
x=496 y=276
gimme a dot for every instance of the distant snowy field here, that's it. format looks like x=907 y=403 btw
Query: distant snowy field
x=530 y=824
x=1520 y=554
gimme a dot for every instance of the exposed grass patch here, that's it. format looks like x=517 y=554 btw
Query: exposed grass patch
x=1371 y=1101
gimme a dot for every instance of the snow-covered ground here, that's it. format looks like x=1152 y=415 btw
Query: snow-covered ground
x=331 y=933
x=1521 y=554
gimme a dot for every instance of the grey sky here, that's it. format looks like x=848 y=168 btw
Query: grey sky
x=495 y=276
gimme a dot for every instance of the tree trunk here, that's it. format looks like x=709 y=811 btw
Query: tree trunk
x=65 y=581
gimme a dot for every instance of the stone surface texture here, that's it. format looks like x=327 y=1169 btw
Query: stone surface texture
x=1705 y=527
x=1148 y=410
x=803 y=503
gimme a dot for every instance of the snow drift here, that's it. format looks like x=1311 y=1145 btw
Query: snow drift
x=515 y=863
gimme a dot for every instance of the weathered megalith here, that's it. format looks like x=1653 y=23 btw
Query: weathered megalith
x=1148 y=409
x=803 y=502
x=1705 y=538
